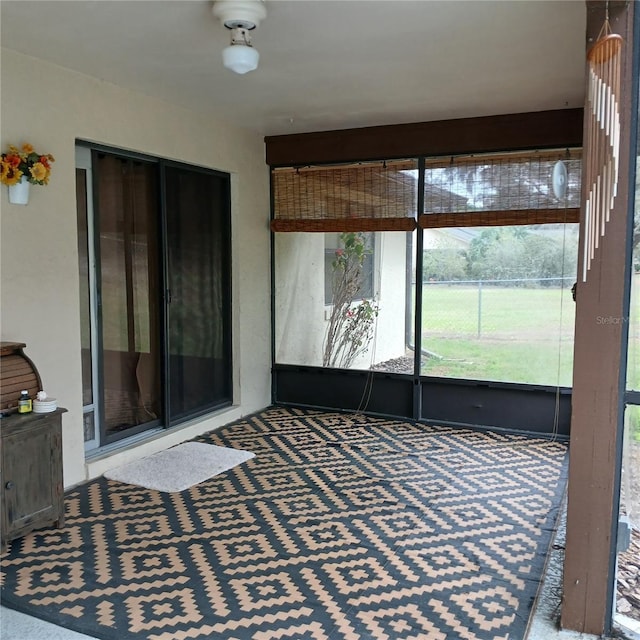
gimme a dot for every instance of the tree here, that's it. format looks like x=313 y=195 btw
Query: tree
x=506 y=253
x=444 y=262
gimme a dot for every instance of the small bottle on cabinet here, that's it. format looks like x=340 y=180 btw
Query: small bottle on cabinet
x=25 y=405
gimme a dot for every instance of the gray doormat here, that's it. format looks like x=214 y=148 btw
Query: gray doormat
x=180 y=467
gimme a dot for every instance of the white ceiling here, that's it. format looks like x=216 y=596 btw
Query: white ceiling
x=324 y=64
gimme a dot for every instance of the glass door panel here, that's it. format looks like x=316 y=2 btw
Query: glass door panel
x=86 y=261
x=197 y=212
x=129 y=294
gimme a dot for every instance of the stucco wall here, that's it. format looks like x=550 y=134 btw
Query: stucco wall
x=390 y=333
x=299 y=297
x=51 y=107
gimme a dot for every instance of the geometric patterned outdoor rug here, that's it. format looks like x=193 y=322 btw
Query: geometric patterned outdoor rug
x=341 y=527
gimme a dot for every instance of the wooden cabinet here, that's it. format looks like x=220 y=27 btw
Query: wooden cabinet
x=30 y=473
x=17 y=373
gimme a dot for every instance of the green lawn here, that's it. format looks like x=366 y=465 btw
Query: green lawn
x=504 y=312
x=509 y=334
x=484 y=359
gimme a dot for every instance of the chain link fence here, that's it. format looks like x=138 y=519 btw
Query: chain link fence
x=506 y=309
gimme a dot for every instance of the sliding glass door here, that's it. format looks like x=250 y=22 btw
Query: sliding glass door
x=154 y=259
x=128 y=221
x=198 y=237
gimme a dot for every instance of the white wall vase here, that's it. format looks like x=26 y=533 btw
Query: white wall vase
x=19 y=193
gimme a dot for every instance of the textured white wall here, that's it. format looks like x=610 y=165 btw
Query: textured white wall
x=51 y=107
x=390 y=333
x=299 y=281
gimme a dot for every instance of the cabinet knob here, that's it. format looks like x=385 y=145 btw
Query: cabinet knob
x=9 y=485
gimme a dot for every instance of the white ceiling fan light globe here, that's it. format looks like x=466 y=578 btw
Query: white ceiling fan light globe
x=240 y=17
x=240 y=58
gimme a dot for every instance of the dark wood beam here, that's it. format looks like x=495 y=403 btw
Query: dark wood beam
x=534 y=130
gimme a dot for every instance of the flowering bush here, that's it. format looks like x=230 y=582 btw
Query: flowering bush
x=16 y=163
x=351 y=325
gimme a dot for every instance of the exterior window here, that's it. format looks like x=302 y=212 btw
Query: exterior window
x=633 y=354
x=627 y=609
x=497 y=303
x=344 y=301
x=334 y=247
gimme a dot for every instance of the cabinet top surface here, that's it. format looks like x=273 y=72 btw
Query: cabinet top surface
x=9 y=347
x=16 y=419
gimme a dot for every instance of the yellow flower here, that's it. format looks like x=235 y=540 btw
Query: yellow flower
x=9 y=175
x=4 y=170
x=38 y=171
x=25 y=161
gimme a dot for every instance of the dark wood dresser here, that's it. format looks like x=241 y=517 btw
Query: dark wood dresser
x=30 y=473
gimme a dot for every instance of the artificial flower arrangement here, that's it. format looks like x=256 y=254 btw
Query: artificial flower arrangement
x=16 y=163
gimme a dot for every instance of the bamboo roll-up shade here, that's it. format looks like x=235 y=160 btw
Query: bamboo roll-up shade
x=367 y=196
x=500 y=189
x=499 y=218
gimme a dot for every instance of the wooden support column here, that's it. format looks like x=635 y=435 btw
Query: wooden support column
x=599 y=377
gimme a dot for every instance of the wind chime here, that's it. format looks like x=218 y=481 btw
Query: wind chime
x=602 y=145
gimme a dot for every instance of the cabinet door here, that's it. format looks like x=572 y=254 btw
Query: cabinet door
x=30 y=481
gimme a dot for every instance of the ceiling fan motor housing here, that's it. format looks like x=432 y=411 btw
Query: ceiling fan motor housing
x=240 y=14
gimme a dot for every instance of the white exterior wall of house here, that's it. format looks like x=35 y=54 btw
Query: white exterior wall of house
x=442 y=239
x=301 y=313
x=51 y=107
x=390 y=333
x=299 y=297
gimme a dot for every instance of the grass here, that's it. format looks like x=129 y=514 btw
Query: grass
x=509 y=334
x=507 y=362
x=634 y=423
x=504 y=312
